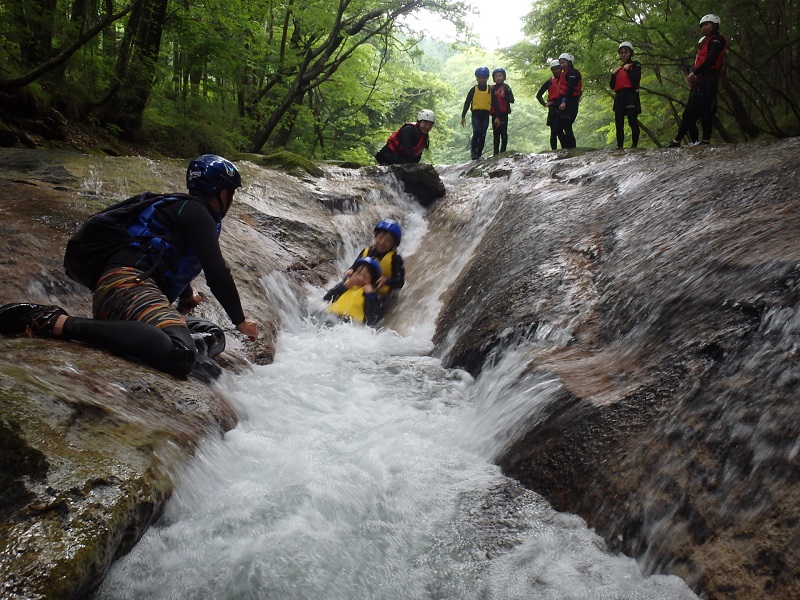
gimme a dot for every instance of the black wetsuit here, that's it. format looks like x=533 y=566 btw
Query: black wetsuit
x=170 y=349
x=627 y=104
x=702 y=102
x=412 y=142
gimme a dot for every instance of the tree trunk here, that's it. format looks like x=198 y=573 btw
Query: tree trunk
x=136 y=75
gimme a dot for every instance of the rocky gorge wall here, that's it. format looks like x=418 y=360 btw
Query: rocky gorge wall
x=659 y=289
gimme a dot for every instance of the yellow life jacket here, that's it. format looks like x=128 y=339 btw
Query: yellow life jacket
x=386 y=269
x=482 y=100
x=350 y=304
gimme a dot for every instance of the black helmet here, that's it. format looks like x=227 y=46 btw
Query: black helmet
x=209 y=174
x=499 y=70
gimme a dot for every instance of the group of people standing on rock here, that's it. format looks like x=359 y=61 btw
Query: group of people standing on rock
x=561 y=94
x=563 y=91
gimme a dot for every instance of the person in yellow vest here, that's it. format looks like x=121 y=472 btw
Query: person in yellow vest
x=356 y=297
x=479 y=101
x=388 y=235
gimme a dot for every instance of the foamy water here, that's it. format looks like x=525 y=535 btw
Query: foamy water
x=356 y=472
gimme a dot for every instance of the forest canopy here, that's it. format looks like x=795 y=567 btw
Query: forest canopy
x=332 y=79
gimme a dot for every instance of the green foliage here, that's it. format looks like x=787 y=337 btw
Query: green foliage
x=307 y=77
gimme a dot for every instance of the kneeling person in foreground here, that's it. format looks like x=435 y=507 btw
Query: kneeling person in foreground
x=173 y=238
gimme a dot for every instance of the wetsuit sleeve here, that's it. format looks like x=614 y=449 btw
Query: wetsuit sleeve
x=613 y=80
x=509 y=94
x=635 y=75
x=542 y=90
x=200 y=230
x=715 y=48
x=333 y=294
x=398 y=278
x=373 y=308
x=573 y=79
x=468 y=101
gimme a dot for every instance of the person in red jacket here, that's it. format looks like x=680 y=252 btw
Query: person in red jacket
x=625 y=80
x=407 y=144
x=550 y=87
x=569 y=88
x=502 y=99
x=703 y=83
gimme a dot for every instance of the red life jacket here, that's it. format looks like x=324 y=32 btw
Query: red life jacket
x=562 y=85
x=397 y=148
x=702 y=53
x=552 y=91
x=623 y=81
x=503 y=107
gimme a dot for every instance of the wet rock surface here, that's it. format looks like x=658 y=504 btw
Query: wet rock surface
x=655 y=292
x=660 y=292
x=90 y=442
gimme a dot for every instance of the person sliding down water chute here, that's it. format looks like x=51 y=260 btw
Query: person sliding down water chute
x=388 y=235
x=141 y=266
x=356 y=297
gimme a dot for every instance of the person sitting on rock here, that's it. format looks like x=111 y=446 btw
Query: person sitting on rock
x=133 y=298
x=407 y=144
x=356 y=297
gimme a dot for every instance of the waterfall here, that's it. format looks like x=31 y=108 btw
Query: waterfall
x=363 y=468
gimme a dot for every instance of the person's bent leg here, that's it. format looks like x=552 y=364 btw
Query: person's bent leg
x=123 y=296
x=170 y=350
x=208 y=337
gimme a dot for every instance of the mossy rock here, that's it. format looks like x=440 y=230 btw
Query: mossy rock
x=288 y=162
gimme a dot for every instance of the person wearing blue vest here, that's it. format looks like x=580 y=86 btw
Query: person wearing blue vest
x=479 y=101
x=134 y=316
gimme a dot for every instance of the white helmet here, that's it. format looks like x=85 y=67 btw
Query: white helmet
x=426 y=115
x=554 y=63
x=710 y=18
x=567 y=56
x=627 y=45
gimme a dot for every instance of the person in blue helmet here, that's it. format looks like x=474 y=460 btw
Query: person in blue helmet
x=388 y=234
x=479 y=101
x=356 y=297
x=502 y=99
x=134 y=315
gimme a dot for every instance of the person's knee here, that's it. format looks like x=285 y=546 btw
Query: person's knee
x=180 y=357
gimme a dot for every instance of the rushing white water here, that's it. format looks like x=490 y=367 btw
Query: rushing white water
x=361 y=468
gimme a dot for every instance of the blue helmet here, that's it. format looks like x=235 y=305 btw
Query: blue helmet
x=373 y=265
x=392 y=227
x=499 y=70
x=209 y=174
x=482 y=72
